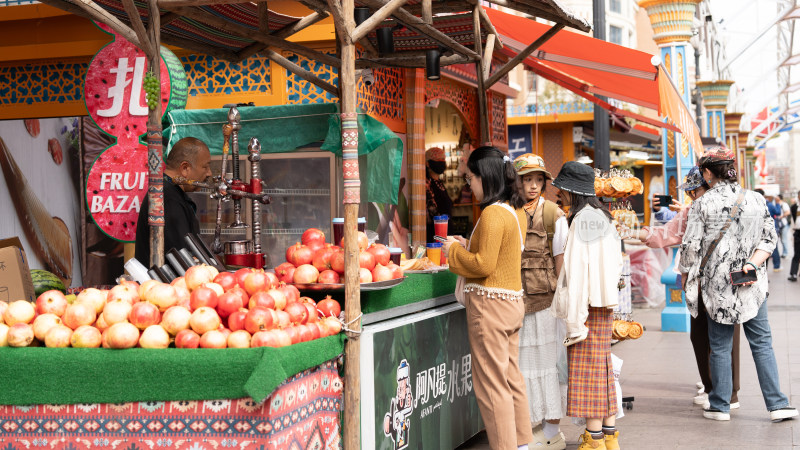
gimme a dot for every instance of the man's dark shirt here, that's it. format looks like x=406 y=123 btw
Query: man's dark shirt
x=180 y=218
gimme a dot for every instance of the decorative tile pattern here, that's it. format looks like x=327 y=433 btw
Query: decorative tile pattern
x=209 y=75
x=498 y=119
x=384 y=99
x=44 y=82
x=300 y=91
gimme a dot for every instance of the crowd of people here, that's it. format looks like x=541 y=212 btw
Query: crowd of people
x=539 y=287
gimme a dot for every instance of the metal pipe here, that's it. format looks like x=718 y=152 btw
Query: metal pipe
x=255 y=157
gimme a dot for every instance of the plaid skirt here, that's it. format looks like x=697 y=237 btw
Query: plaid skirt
x=591 y=392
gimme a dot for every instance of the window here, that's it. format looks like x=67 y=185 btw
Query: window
x=615 y=6
x=615 y=34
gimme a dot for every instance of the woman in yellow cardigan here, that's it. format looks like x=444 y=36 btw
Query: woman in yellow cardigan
x=490 y=262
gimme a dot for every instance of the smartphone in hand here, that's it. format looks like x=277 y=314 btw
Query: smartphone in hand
x=439 y=239
x=664 y=200
x=740 y=278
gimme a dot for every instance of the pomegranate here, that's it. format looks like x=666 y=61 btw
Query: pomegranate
x=241 y=293
x=282 y=338
x=264 y=339
x=272 y=279
x=282 y=319
x=305 y=333
x=314 y=329
x=323 y=330
x=43 y=323
x=204 y=319
x=328 y=307
x=215 y=287
x=20 y=335
x=123 y=292
x=146 y=285
x=162 y=295
x=291 y=293
x=213 y=339
x=187 y=339
x=261 y=299
x=298 y=313
x=122 y=335
x=258 y=319
x=203 y=296
x=19 y=311
x=116 y=311
x=364 y=275
x=3 y=335
x=239 y=339
x=240 y=275
x=294 y=334
x=236 y=320
x=280 y=299
x=58 y=337
x=154 y=336
x=366 y=261
x=381 y=273
x=229 y=303
x=256 y=281
x=225 y=279
x=306 y=274
x=313 y=235
x=100 y=323
x=302 y=255
x=333 y=324
x=397 y=271
x=85 y=336
x=197 y=275
x=381 y=253
x=322 y=258
x=143 y=314
x=290 y=251
x=179 y=282
x=363 y=241
x=315 y=246
x=78 y=314
x=285 y=272
x=337 y=262
x=52 y=301
x=313 y=315
x=328 y=277
x=176 y=319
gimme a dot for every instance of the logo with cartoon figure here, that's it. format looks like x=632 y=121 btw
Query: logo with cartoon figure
x=397 y=421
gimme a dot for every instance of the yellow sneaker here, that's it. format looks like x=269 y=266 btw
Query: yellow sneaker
x=611 y=441
x=587 y=443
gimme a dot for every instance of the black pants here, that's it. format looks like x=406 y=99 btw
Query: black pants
x=796 y=257
x=702 y=349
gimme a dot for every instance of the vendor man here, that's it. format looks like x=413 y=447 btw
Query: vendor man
x=189 y=159
x=437 y=201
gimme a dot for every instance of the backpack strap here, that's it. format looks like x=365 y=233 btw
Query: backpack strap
x=549 y=214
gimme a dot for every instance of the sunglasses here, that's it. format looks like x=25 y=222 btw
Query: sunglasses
x=468 y=179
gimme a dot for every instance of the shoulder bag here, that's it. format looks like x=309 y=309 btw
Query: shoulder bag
x=722 y=231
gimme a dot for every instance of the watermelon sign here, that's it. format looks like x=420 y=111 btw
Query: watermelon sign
x=115 y=99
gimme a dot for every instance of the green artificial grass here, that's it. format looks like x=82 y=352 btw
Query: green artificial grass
x=415 y=288
x=37 y=375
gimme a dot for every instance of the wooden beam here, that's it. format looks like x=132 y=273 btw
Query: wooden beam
x=168 y=18
x=483 y=107
x=299 y=71
x=376 y=19
x=487 y=55
x=487 y=23
x=427 y=12
x=154 y=137
x=90 y=10
x=523 y=54
x=416 y=23
x=138 y=27
x=197 y=47
x=283 y=33
x=338 y=20
x=244 y=32
x=171 y=4
x=533 y=10
x=263 y=17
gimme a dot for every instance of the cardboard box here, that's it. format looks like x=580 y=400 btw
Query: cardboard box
x=15 y=276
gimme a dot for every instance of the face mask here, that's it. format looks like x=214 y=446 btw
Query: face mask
x=438 y=167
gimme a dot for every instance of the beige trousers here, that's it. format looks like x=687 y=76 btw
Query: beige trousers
x=494 y=325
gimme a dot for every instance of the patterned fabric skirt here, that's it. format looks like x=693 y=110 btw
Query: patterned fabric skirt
x=543 y=363
x=591 y=391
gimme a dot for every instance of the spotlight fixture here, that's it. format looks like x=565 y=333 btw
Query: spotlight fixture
x=432 y=68
x=385 y=39
x=360 y=14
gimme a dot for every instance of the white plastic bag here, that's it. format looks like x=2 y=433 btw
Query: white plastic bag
x=616 y=367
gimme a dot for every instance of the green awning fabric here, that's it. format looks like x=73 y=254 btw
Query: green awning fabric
x=282 y=129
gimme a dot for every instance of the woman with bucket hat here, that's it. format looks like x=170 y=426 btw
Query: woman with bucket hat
x=586 y=292
x=542 y=357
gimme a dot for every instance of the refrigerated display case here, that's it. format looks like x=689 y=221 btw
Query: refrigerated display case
x=304 y=190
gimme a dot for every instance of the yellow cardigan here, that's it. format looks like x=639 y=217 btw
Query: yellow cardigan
x=492 y=264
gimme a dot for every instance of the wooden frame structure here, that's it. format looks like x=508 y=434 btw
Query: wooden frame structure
x=132 y=20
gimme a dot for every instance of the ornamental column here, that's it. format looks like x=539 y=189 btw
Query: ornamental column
x=732 y=121
x=671 y=21
x=715 y=100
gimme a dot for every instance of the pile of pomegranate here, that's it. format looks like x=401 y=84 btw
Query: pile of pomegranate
x=315 y=261
x=204 y=308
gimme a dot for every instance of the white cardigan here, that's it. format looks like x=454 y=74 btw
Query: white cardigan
x=591 y=271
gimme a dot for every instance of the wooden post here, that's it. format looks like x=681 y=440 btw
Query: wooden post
x=155 y=164
x=352 y=198
x=415 y=151
x=483 y=109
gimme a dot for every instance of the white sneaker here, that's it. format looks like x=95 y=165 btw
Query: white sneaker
x=702 y=390
x=701 y=399
x=540 y=442
x=699 y=385
x=713 y=414
x=735 y=405
x=782 y=414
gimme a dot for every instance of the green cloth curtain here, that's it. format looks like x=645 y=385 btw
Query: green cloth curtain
x=282 y=129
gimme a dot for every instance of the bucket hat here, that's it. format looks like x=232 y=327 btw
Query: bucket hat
x=716 y=154
x=693 y=181
x=529 y=162
x=434 y=154
x=576 y=178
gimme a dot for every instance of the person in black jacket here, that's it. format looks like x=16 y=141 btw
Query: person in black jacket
x=794 y=222
x=190 y=159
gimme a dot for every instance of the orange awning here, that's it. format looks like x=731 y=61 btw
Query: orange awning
x=591 y=67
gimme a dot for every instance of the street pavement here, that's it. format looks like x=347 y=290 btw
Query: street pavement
x=659 y=371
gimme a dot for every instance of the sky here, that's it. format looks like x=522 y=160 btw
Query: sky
x=739 y=22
